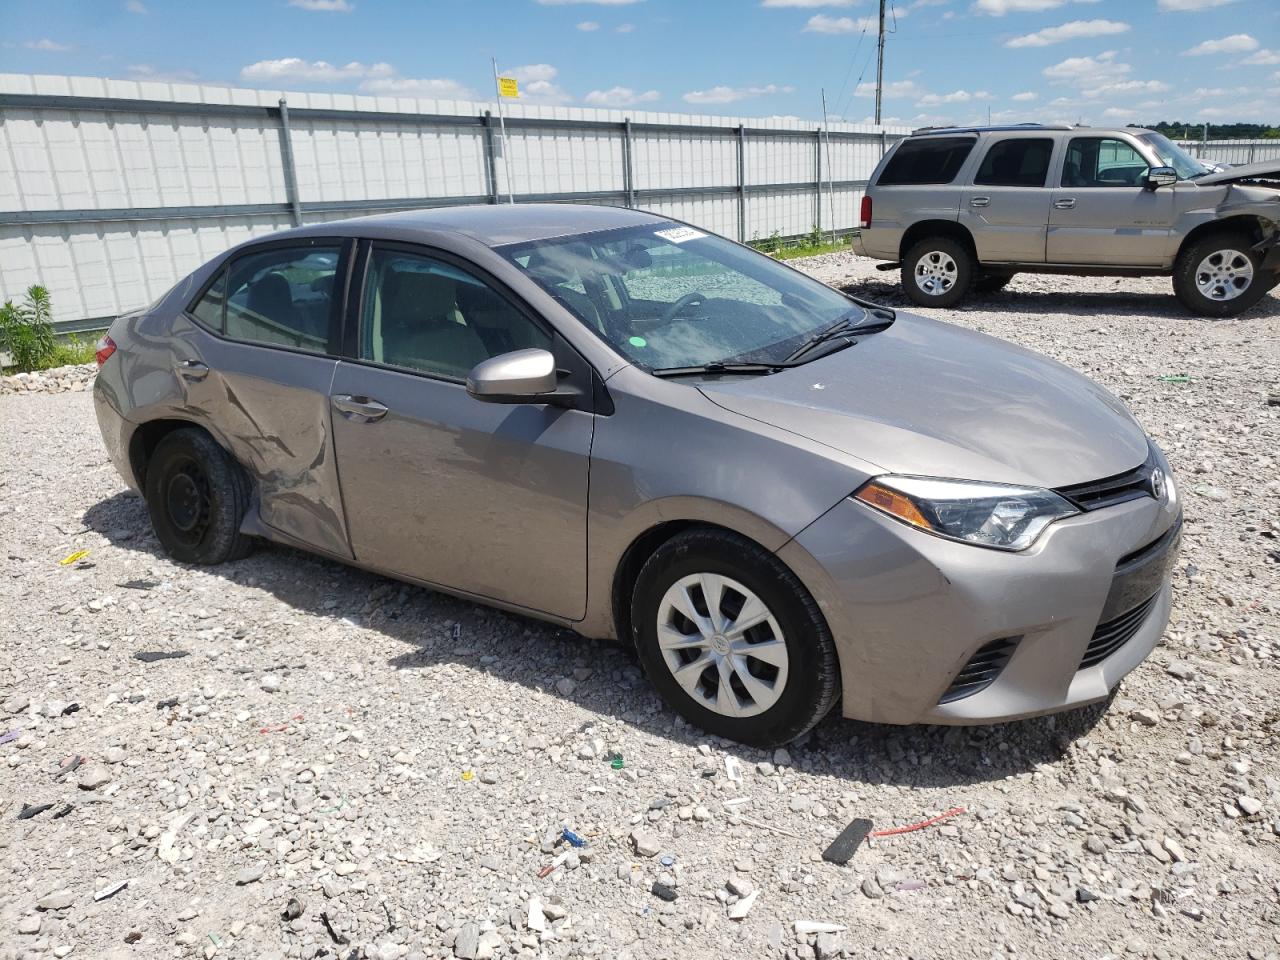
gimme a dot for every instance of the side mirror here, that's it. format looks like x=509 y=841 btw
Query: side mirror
x=522 y=376
x=1161 y=177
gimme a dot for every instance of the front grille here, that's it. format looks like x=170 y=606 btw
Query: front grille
x=981 y=670
x=1111 y=636
x=1109 y=491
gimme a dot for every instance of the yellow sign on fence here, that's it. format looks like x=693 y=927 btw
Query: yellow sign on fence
x=508 y=87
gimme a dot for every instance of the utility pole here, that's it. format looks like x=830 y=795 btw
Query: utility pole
x=880 y=63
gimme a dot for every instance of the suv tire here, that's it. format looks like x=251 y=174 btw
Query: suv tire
x=774 y=695
x=1218 y=275
x=937 y=271
x=197 y=496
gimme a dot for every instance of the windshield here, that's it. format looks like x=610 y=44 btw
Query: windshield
x=1172 y=155
x=667 y=296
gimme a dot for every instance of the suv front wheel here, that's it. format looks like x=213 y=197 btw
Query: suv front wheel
x=936 y=272
x=1219 y=275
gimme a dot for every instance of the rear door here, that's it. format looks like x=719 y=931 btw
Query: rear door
x=918 y=182
x=1102 y=212
x=1006 y=208
x=486 y=498
x=255 y=355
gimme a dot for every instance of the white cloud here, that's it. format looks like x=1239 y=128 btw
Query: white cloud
x=624 y=28
x=892 y=90
x=998 y=8
x=1088 y=70
x=135 y=6
x=1236 y=43
x=47 y=45
x=435 y=88
x=1093 y=92
x=325 y=6
x=1026 y=96
x=1190 y=6
x=1073 y=30
x=733 y=94
x=311 y=71
x=821 y=23
x=587 y=26
x=808 y=3
x=620 y=97
x=956 y=96
x=1263 y=58
x=143 y=71
x=537 y=83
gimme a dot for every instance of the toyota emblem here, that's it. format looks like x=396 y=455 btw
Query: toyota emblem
x=1157 y=484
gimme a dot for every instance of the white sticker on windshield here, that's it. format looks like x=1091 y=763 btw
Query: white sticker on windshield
x=679 y=234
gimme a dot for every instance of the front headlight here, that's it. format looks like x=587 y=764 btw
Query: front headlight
x=985 y=514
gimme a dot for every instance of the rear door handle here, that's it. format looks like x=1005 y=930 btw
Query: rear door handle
x=193 y=370
x=1066 y=203
x=361 y=409
x=980 y=202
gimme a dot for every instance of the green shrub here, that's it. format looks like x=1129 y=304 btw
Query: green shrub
x=26 y=331
x=72 y=350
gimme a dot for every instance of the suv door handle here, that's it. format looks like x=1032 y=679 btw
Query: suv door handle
x=361 y=409
x=980 y=201
x=1066 y=203
x=193 y=370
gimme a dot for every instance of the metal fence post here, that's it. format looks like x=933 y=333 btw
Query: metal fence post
x=882 y=143
x=489 y=159
x=628 y=173
x=817 y=143
x=286 y=163
x=742 y=183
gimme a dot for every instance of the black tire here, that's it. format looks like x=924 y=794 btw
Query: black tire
x=812 y=684
x=936 y=251
x=197 y=496
x=991 y=282
x=1194 y=254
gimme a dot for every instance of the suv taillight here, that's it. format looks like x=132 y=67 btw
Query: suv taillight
x=103 y=349
x=864 y=218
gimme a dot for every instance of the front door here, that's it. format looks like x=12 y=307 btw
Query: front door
x=1007 y=207
x=1102 y=211
x=486 y=498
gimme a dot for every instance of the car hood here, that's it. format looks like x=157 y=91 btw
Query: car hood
x=931 y=399
x=1262 y=170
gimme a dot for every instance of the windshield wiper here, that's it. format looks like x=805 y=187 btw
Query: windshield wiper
x=846 y=328
x=717 y=366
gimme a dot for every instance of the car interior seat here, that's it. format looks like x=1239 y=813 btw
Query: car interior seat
x=422 y=327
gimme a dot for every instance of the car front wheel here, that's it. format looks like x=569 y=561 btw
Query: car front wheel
x=732 y=640
x=197 y=496
x=936 y=272
x=1219 y=275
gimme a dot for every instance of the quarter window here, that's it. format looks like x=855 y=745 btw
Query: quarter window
x=1020 y=162
x=424 y=314
x=1102 y=162
x=926 y=160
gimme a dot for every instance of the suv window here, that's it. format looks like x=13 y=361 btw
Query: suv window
x=1102 y=162
x=280 y=297
x=424 y=314
x=1020 y=162
x=926 y=160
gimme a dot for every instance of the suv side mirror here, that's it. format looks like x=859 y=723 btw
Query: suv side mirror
x=1161 y=177
x=522 y=376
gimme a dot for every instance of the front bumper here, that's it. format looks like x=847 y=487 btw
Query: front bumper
x=909 y=611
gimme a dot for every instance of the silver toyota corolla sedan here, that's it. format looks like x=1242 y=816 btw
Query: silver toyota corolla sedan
x=786 y=497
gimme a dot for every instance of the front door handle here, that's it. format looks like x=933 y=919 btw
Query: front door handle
x=980 y=202
x=193 y=370
x=1066 y=203
x=361 y=409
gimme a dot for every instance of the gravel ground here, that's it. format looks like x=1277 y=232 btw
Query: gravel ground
x=345 y=766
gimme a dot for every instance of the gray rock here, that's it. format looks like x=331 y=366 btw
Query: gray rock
x=468 y=942
x=58 y=900
x=1146 y=717
x=271 y=683
x=17 y=703
x=828 y=946
x=645 y=844
x=872 y=889
x=29 y=925
x=1248 y=805
x=251 y=874
x=565 y=687
x=92 y=776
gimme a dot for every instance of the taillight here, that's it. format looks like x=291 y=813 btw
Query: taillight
x=864 y=218
x=103 y=349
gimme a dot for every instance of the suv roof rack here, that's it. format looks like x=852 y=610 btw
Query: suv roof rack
x=995 y=128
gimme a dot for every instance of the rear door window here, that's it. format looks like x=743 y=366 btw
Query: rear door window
x=926 y=160
x=282 y=296
x=1016 y=162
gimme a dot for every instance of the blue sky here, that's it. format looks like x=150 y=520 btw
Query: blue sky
x=1098 y=61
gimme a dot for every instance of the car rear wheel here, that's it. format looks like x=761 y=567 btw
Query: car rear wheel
x=197 y=496
x=732 y=640
x=936 y=272
x=1219 y=275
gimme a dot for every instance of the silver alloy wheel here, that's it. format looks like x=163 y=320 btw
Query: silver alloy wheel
x=936 y=273
x=722 y=645
x=1224 y=275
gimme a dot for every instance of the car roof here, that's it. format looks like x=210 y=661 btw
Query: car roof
x=1026 y=128
x=494 y=225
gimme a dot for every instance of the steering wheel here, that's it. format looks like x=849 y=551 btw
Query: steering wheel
x=673 y=311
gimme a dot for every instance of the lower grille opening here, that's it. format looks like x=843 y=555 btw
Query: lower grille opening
x=981 y=670
x=1111 y=636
